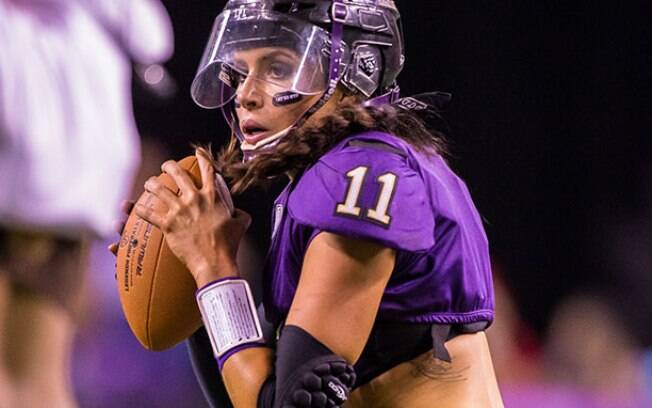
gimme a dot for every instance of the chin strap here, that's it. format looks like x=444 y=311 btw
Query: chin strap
x=250 y=150
x=388 y=97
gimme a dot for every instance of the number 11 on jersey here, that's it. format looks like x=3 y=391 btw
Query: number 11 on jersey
x=350 y=204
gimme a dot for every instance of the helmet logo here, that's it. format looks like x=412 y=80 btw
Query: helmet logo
x=368 y=64
x=241 y=14
x=411 y=103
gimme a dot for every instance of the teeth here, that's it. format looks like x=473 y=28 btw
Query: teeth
x=254 y=130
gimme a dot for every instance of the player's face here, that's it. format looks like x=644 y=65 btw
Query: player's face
x=269 y=72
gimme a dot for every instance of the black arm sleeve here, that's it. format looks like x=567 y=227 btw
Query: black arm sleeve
x=206 y=368
x=307 y=374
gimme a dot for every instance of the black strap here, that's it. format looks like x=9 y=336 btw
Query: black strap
x=440 y=333
x=390 y=344
x=393 y=343
x=206 y=369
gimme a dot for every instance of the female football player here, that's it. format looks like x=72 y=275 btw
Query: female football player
x=377 y=285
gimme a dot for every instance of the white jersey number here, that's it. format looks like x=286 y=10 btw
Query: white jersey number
x=350 y=204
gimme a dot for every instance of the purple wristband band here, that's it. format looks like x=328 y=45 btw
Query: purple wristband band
x=222 y=359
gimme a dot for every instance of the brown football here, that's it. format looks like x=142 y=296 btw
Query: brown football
x=157 y=292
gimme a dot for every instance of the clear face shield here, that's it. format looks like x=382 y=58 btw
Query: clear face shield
x=277 y=55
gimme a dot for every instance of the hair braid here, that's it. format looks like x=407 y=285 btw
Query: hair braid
x=304 y=146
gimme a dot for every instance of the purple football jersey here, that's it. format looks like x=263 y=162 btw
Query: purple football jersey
x=375 y=186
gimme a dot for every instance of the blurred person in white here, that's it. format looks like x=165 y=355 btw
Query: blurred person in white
x=68 y=150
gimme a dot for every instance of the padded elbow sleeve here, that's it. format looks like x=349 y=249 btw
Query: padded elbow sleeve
x=307 y=374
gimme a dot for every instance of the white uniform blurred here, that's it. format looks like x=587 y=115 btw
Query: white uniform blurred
x=68 y=150
x=68 y=141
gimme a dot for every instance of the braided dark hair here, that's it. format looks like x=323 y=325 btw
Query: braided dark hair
x=304 y=146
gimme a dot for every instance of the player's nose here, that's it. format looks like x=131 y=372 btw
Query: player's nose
x=249 y=95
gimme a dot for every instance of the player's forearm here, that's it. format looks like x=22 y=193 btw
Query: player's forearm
x=217 y=264
x=204 y=275
x=244 y=373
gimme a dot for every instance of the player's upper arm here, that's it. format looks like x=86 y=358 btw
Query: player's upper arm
x=340 y=287
x=341 y=284
x=366 y=193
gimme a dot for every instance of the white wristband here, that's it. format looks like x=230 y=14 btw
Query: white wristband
x=229 y=314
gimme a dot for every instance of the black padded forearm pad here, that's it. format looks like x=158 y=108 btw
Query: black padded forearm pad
x=307 y=374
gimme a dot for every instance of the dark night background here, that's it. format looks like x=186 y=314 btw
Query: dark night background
x=549 y=127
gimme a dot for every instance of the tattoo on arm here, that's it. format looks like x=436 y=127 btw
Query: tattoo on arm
x=436 y=369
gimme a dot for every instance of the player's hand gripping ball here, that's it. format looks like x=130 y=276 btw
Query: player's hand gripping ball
x=156 y=290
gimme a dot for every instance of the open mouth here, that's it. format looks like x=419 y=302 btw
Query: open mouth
x=253 y=131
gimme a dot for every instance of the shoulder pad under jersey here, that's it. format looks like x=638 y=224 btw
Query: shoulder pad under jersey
x=366 y=190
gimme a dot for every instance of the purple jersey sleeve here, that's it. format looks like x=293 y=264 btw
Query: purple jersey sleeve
x=367 y=191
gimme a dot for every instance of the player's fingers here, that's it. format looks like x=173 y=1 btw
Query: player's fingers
x=180 y=176
x=113 y=248
x=148 y=214
x=207 y=172
x=155 y=187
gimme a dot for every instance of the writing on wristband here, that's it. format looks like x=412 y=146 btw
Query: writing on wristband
x=229 y=314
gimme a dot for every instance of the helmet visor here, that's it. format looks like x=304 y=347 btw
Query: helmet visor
x=272 y=52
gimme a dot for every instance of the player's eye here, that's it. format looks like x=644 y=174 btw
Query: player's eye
x=279 y=71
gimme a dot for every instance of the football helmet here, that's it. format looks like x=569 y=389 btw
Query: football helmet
x=356 y=43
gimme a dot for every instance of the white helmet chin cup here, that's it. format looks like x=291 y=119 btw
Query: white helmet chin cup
x=250 y=150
